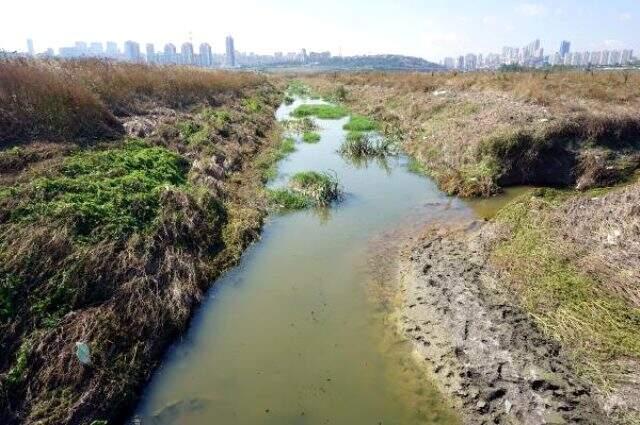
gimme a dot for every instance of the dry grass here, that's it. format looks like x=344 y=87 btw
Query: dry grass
x=474 y=133
x=63 y=100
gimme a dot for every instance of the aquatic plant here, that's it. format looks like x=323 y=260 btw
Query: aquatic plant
x=322 y=188
x=360 y=123
x=311 y=137
x=322 y=111
x=360 y=144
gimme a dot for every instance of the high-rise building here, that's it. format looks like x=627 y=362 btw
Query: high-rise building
x=206 y=57
x=132 y=51
x=460 y=63
x=449 y=63
x=30 y=47
x=565 y=48
x=627 y=56
x=604 y=59
x=95 y=50
x=112 y=49
x=470 y=62
x=151 y=53
x=230 y=58
x=186 y=53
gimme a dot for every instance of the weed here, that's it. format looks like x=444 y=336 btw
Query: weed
x=113 y=192
x=287 y=199
x=321 y=188
x=322 y=111
x=252 y=104
x=310 y=137
x=360 y=123
x=358 y=144
x=267 y=163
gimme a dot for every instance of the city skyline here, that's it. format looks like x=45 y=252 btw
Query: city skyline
x=430 y=30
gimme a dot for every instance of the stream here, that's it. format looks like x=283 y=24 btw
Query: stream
x=294 y=335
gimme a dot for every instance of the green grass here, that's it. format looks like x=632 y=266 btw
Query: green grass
x=268 y=162
x=416 y=167
x=567 y=303
x=310 y=137
x=358 y=144
x=288 y=100
x=297 y=88
x=329 y=112
x=252 y=104
x=360 y=123
x=287 y=199
x=103 y=193
x=306 y=189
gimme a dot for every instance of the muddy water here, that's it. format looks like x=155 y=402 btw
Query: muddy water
x=293 y=335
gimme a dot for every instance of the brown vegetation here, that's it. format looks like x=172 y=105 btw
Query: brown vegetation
x=112 y=243
x=477 y=132
x=78 y=99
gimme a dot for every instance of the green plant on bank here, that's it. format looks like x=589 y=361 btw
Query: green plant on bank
x=358 y=144
x=102 y=193
x=360 y=123
x=252 y=104
x=310 y=137
x=297 y=88
x=19 y=367
x=288 y=100
x=307 y=189
x=322 y=111
x=568 y=304
x=217 y=117
x=416 y=167
x=268 y=162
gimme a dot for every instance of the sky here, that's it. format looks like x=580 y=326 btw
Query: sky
x=429 y=29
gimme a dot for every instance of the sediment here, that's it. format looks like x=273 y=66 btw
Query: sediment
x=487 y=354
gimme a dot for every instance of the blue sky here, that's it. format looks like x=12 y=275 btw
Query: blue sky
x=431 y=29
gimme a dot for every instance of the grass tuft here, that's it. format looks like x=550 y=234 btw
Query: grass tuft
x=310 y=137
x=327 y=112
x=360 y=123
x=360 y=145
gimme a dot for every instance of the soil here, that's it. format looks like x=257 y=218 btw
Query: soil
x=486 y=353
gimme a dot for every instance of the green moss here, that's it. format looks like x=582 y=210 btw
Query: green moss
x=360 y=123
x=320 y=111
x=310 y=137
x=111 y=192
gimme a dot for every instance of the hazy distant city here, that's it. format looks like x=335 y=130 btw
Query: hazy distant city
x=532 y=55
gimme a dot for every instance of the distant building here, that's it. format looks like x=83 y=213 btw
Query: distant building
x=132 y=51
x=150 y=50
x=449 y=63
x=627 y=56
x=230 y=52
x=470 y=62
x=186 y=52
x=30 y=50
x=112 y=50
x=206 y=57
x=95 y=50
x=460 y=63
x=565 y=48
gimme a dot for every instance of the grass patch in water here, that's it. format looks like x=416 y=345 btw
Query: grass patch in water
x=310 y=137
x=360 y=123
x=327 y=112
x=358 y=144
x=306 y=189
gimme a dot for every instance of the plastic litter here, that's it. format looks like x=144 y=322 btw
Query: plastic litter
x=83 y=353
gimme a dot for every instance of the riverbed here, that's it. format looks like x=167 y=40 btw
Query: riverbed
x=293 y=335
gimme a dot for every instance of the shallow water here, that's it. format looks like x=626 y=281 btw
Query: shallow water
x=292 y=335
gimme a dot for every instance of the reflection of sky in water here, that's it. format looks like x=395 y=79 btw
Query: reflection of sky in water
x=290 y=336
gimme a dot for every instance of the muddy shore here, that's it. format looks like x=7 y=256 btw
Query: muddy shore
x=485 y=353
